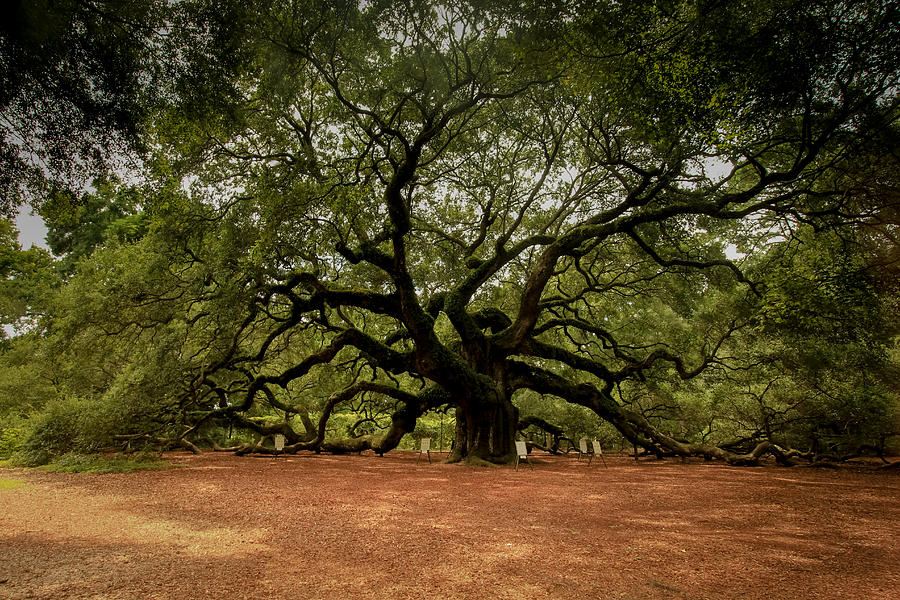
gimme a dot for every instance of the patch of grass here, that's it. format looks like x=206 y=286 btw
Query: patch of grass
x=11 y=484
x=92 y=463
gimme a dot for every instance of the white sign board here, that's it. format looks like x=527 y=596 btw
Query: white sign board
x=521 y=450
x=279 y=442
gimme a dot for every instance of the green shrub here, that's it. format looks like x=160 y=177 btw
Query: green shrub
x=12 y=434
x=63 y=426
x=72 y=462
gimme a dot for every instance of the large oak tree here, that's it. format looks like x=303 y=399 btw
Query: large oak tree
x=444 y=205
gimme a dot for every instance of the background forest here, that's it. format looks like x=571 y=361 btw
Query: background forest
x=670 y=225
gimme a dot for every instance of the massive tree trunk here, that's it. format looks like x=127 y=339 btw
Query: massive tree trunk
x=486 y=418
x=485 y=431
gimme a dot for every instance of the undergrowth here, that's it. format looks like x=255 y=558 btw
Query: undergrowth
x=73 y=462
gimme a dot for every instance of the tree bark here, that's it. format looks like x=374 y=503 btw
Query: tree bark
x=485 y=432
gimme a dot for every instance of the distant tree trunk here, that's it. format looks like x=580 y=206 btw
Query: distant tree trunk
x=308 y=425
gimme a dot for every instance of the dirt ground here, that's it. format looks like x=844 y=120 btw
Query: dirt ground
x=309 y=527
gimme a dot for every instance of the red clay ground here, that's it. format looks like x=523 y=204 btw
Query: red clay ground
x=341 y=527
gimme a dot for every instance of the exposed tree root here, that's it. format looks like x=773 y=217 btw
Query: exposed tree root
x=474 y=461
x=217 y=448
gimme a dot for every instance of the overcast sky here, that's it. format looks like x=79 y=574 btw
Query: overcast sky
x=31 y=229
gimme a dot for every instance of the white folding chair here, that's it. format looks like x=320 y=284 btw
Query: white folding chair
x=279 y=444
x=426 y=450
x=522 y=454
x=598 y=451
x=582 y=449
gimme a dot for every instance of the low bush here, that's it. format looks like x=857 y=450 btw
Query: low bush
x=63 y=426
x=12 y=435
x=73 y=462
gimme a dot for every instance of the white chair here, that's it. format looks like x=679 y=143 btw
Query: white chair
x=598 y=451
x=522 y=454
x=426 y=450
x=279 y=444
x=583 y=450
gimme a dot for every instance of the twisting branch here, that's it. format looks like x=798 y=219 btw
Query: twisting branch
x=695 y=264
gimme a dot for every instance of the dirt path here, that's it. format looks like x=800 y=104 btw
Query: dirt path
x=310 y=527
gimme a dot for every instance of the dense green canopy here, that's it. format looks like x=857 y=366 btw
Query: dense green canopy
x=79 y=79
x=668 y=223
